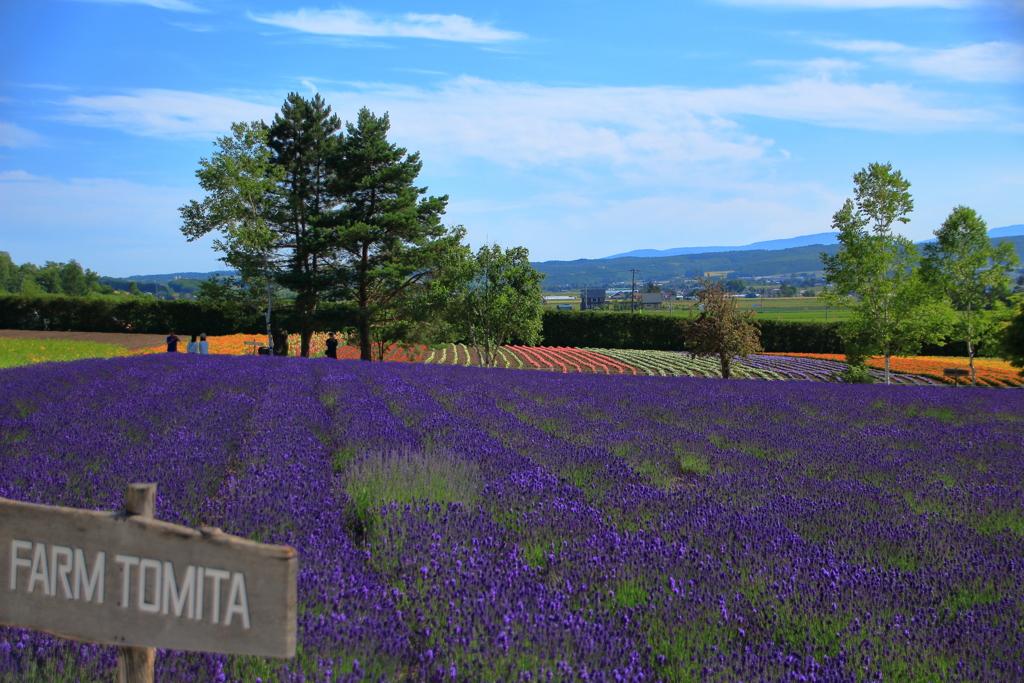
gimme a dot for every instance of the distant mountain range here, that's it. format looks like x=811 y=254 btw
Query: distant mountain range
x=823 y=238
x=769 y=245
x=167 y=277
x=771 y=257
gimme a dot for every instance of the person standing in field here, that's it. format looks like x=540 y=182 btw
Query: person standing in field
x=193 y=346
x=332 y=347
x=204 y=346
x=280 y=342
x=172 y=343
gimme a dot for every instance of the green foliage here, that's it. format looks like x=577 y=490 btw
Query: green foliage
x=53 y=278
x=406 y=477
x=856 y=373
x=148 y=315
x=692 y=464
x=875 y=274
x=240 y=180
x=14 y=352
x=389 y=243
x=304 y=136
x=1012 y=339
x=721 y=330
x=970 y=272
x=500 y=301
x=614 y=330
x=735 y=285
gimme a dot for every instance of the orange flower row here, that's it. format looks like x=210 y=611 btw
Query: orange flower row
x=990 y=371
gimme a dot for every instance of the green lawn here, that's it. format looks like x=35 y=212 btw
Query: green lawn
x=15 y=352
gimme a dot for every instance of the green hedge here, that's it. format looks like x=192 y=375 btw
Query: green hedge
x=596 y=329
x=613 y=330
x=152 y=316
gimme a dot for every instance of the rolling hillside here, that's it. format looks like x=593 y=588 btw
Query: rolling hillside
x=752 y=263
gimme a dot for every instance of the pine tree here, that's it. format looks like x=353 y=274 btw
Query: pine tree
x=388 y=238
x=302 y=137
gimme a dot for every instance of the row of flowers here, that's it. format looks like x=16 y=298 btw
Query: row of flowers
x=803 y=366
x=714 y=531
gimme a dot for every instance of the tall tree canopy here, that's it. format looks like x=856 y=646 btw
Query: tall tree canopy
x=875 y=273
x=303 y=138
x=971 y=272
x=241 y=182
x=721 y=330
x=500 y=301
x=388 y=237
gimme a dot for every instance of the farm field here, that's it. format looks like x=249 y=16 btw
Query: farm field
x=15 y=352
x=804 y=309
x=808 y=367
x=992 y=372
x=472 y=524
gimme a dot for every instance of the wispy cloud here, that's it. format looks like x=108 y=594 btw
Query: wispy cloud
x=524 y=123
x=174 y=5
x=165 y=113
x=18 y=176
x=350 y=22
x=195 y=28
x=12 y=135
x=516 y=124
x=857 y=4
x=995 y=62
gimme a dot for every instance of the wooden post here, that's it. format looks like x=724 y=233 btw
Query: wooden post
x=135 y=664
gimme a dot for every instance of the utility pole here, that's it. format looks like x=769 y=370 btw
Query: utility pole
x=632 y=297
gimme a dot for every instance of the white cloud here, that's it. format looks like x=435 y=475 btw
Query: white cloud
x=12 y=135
x=526 y=124
x=16 y=176
x=174 y=5
x=994 y=62
x=350 y=22
x=523 y=123
x=116 y=227
x=857 y=4
x=165 y=113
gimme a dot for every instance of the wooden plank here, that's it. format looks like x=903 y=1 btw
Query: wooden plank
x=120 y=579
x=956 y=372
x=138 y=664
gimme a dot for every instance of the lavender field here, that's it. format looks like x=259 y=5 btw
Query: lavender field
x=542 y=526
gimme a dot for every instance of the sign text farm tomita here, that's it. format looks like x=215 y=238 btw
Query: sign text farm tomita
x=128 y=580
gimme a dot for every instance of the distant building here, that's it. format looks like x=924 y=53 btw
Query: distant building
x=591 y=297
x=650 y=301
x=563 y=307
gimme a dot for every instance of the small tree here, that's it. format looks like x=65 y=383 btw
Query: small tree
x=875 y=274
x=970 y=271
x=722 y=329
x=500 y=301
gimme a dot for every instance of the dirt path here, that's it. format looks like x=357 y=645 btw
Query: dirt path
x=132 y=342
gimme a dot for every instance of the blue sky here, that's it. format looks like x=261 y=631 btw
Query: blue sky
x=576 y=128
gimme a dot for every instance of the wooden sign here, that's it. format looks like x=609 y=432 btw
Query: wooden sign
x=956 y=372
x=129 y=580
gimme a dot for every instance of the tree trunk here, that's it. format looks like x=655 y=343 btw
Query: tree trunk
x=725 y=360
x=270 y=305
x=365 y=345
x=365 y=349
x=304 y=339
x=970 y=356
x=887 y=369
